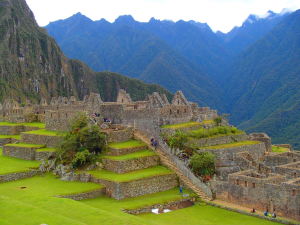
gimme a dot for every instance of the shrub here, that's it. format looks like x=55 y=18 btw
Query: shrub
x=203 y=164
x=177 y=140
x=218 y=121
x=82 y=143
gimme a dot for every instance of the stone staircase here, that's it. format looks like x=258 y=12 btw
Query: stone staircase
x=165 y=159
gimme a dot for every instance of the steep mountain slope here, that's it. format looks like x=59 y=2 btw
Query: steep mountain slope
x=253 y=29
x=33 y=66
x=148 y=51
x=265 y=81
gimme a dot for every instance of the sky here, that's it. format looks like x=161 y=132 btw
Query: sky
x=220 y=15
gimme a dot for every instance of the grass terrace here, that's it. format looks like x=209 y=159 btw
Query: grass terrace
x=13 y=165
x=181 y=125
x=46 y=150
x=214 y=132
x=25 y=145
x=232 y=145
x=36 y=124
x=46 y=132
x=127 y=144
x=17 y=137
x=278 y=149
x=131 y=176
x=34 y=203
x=135 y=155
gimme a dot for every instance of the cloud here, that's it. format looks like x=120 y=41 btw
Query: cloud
x=219 y=14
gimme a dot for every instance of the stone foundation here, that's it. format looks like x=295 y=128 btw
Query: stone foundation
x=11 y=130
x=121 y=135
x=125 y=166
x=49 y=141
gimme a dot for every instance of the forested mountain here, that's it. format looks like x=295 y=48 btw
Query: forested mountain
x=253 y=29
x=160 y=52
x=33 y=66
x=264 y=86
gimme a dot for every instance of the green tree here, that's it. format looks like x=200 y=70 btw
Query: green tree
x=218 y=121
x=203 y=164
x=82 y=143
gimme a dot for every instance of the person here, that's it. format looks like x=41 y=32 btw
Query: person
x=152 y=141
x=266 y=213
x=274 y=214
x=253 y=210
x=155 y=144
x=180 y=189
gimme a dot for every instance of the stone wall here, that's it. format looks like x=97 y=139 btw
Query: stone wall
x=263 y=138
x=19 y=152
x=204 y=142
x=85 y=195
x=282 y=158
x=124 y=166
x=114 y=135
x=49 y=141
x=40 y=156
x=4 y=141
x=124 y=151
x=11 y=130
x=18 y=175
x=175 y=205
x=138 y=187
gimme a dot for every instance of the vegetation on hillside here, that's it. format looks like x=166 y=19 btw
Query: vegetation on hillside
x=203 y=164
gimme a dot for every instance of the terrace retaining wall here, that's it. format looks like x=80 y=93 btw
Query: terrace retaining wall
x=121 y=190
x=124 y=151
x=124 y=166
x=203 y=142
x=18 y=175
x=49 y=141
x=19 y=152
x=85 y=195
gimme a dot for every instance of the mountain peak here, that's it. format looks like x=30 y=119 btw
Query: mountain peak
x=125 y=19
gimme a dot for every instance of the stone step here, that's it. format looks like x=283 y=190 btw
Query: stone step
x=167 y=162
x=127 y=147
x=131 y=162
x=42 y=137
x=21 y=150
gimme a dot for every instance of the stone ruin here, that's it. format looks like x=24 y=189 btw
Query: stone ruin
x=150 y=113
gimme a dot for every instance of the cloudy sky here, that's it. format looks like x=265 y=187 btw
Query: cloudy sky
x=219 y=14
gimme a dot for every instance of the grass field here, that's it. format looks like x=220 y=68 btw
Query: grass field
x=36 y=124
x=127 y=144
x=17 y=137
x=135 y=155
x=26 y=145
x=278 y=149
x=46 y=150
x=134 y=175
x=46 y=132
x=231 y=145
x=187 y=124
x=12 y=165
x=34 y=204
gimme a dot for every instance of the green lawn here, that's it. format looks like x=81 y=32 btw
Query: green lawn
x=134 y=175
x=46 y=132
x=277 y=149
x=12 y=165
x=182 y=125
x=25 y=145
x=139 y=154
x=34 y=204
x=17 y=137
x=36 y=124
x=231 y=145
x=46 y=150
x=127 y=144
